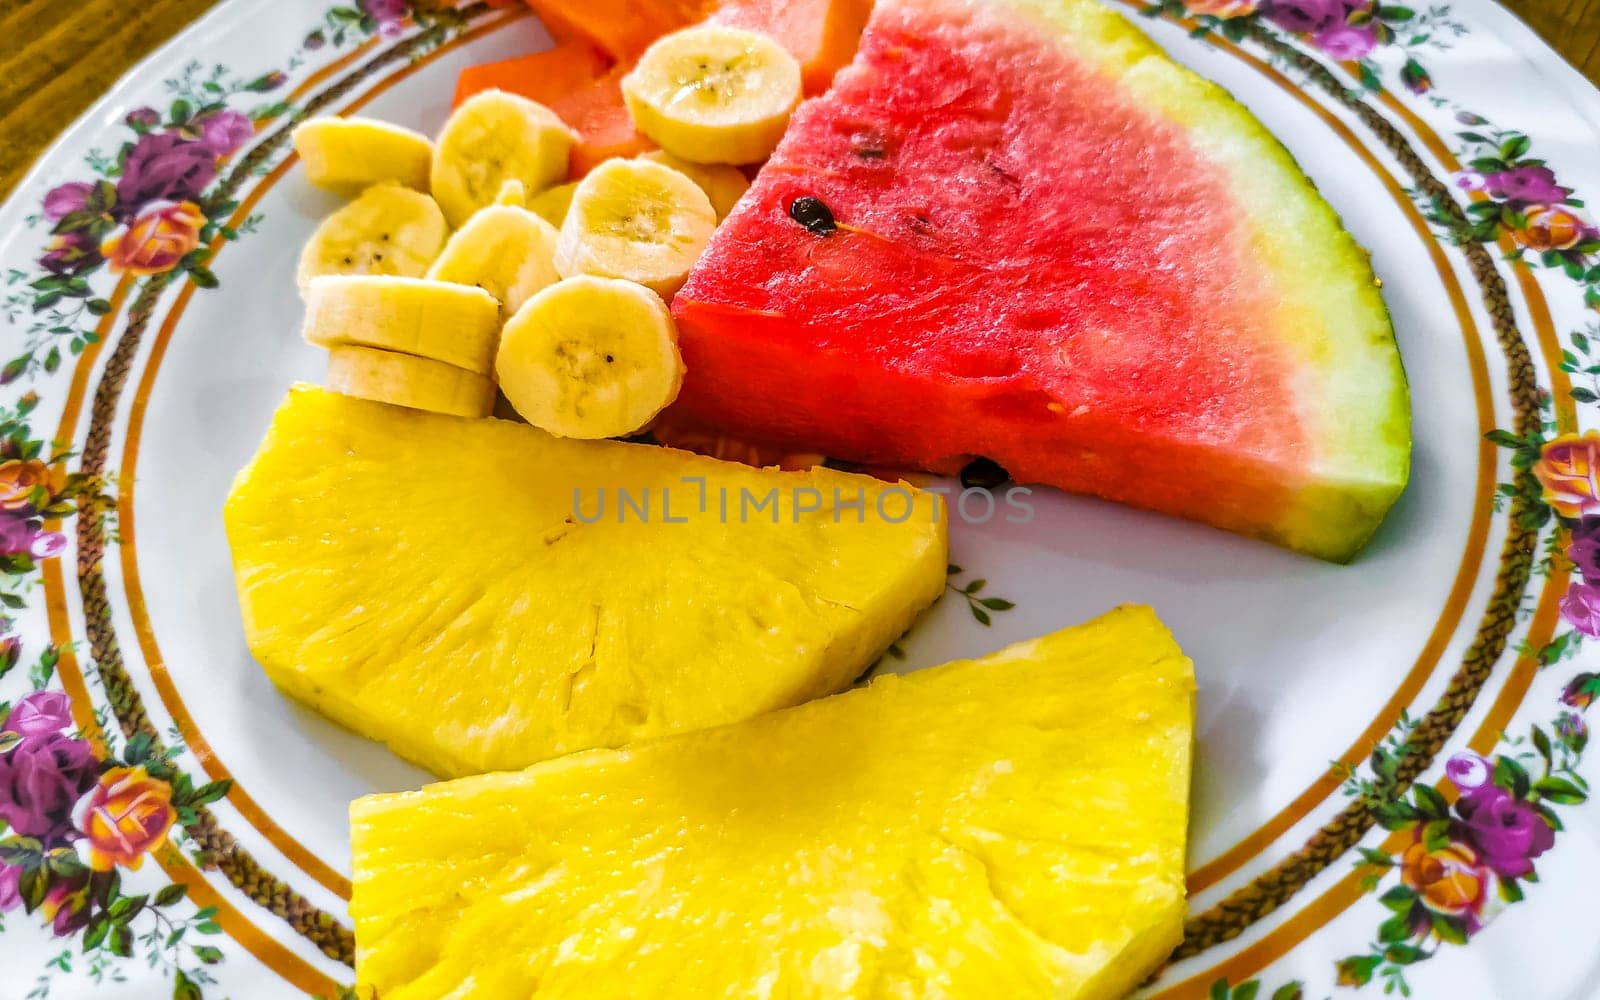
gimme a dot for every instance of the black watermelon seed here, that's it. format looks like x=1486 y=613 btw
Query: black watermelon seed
x=983 y=474
x=813 y=214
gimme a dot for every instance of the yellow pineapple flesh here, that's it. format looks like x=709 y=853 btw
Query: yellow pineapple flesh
x=1013 y=827
x=433 y=582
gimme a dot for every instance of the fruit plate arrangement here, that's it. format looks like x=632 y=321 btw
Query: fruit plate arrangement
x=1390 y=778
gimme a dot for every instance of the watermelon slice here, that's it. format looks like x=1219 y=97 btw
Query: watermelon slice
x=1036 y=239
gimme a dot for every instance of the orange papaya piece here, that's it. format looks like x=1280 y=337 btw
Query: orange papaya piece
x=601 y=120
x=822 y=35
x=545 y=77
x=620 y=28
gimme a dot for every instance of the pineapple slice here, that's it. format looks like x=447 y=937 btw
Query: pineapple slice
x=431 y=582
x=1006 y=827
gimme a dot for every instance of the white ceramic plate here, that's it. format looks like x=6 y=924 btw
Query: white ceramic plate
x=136 y=381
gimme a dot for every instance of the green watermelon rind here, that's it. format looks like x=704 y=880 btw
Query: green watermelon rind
x=1357 y=399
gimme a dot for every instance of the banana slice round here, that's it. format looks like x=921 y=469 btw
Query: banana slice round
x=714 y=94
x=723 y=185
x=507 y=251
x=455 y=324
x=491 y=138
x=404 y=380
x=637 y=220
x=389 y=229
x=348 y=155
x=590 y=358
x=551 y=204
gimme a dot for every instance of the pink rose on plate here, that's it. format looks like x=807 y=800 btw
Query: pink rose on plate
x=10 y=897
x=142 y=119
x=164 y=166
x=23 y=535
x=64 y=199
x=1345 y=42
x=42 y=713
x=1304 y=16
x=1584 y=548
x=47 y=545
x=17 y=533
x=390 y=14
x=222 y=132
x=1525 y=184
x=1508 y=832
x=1581 y=608
x=1468 y=771
x=41 y=780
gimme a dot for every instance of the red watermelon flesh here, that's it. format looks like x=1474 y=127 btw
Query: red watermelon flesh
x=1035 y=265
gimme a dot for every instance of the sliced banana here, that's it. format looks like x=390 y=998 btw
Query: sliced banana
x=404 y=380
x=348 y=155
x=507 y=251
x=590 y=358
x=453 y=323
x=551 y=204
x=491 y=138
x=389 y=229
x=714 y=94
x=723 y=185
x=512 y=192
x=637 y=220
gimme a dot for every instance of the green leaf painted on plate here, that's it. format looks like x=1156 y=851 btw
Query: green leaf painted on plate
x=1511 y=776
x=1399 y=899
x=184 y=988
x=1429 y=802
x=1560 y=791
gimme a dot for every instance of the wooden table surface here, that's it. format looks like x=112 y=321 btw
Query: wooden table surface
x=57 y=56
